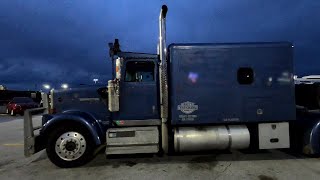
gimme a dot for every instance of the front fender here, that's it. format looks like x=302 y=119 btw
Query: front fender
x=85 y=119
x=313 y=140
x=312 y=134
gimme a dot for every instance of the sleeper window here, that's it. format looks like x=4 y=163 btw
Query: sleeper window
x=139 y=71
x=245 y=75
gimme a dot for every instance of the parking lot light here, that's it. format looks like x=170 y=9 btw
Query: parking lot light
x=46 y=86
x=64 y=86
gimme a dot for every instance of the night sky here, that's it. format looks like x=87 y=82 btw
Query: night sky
x=43 y=41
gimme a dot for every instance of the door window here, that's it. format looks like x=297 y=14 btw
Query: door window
x=139 y=71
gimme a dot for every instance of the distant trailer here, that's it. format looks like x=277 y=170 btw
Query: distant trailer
x=311 y=79
x=307 y=91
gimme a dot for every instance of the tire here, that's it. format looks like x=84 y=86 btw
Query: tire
x=12 y=113
x=83 y=146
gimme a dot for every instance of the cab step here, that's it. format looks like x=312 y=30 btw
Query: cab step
x=132 y=140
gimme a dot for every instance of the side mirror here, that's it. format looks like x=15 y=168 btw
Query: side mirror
x=103 y=92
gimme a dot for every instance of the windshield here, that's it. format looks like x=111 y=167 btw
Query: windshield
x=22 y=100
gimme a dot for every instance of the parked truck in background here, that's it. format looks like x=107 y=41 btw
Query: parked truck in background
x=186 y=98
x=308 y=91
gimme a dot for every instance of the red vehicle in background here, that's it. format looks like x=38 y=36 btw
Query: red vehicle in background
x=19 y=104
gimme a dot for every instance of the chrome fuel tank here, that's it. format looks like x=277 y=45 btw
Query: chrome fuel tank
x=188 y=139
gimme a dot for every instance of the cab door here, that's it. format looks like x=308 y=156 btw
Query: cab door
x=138 y=90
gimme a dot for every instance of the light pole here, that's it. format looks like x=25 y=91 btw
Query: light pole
x=95 y=81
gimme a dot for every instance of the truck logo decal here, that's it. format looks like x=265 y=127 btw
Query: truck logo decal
x=187 y=107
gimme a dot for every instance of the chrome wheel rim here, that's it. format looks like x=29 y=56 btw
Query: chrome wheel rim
x=11 y=112
x=70 y=146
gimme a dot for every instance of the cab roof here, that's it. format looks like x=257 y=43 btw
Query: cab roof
x=136 y=55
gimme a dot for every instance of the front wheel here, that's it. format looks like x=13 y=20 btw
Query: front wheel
x=70 y=147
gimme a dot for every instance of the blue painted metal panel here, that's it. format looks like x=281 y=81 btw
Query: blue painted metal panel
x=204 y=87
x=139 y=100
x=84 y=99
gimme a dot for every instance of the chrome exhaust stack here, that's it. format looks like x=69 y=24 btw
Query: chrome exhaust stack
x=162 y=52
x=162 y=31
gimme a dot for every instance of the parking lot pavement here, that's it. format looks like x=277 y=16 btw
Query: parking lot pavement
x=6 y=118
x=267 y=165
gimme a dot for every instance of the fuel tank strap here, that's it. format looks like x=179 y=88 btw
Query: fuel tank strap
x=229 y=136
x=178 y=140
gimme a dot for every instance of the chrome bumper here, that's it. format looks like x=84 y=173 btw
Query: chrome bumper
x=30 y=139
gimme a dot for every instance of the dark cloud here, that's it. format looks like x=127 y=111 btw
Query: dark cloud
x=65 y=41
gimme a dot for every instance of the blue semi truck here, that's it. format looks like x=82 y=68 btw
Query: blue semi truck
x=185 y=98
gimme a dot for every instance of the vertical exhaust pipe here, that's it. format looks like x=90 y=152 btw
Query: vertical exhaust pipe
x=162 y=51
x=162 y=31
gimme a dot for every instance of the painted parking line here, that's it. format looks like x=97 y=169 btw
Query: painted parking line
x=14 y=144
